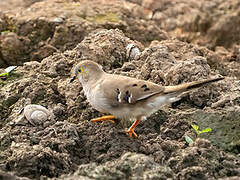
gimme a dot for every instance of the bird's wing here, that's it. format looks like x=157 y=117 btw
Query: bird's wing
x=122 y=89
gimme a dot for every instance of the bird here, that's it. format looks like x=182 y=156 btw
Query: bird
x=124 y=97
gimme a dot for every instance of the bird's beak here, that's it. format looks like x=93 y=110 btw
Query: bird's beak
x=73 y=78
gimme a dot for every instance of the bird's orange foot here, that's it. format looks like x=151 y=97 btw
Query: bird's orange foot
x=104 y=119
x=130 y=131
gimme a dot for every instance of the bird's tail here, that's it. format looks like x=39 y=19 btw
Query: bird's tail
x=189 y=86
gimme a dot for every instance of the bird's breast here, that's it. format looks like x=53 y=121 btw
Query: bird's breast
x=96 y=99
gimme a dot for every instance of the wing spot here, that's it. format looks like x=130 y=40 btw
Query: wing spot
x=119 y=95
x=127 y=96
x=144 y=86
x=146 y=89
x=134 y=85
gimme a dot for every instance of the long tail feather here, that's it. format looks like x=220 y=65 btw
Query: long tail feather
x=189 y=86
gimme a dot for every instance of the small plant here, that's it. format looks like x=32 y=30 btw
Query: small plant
x=6 y=74
x=5 y=32
x=198 y=132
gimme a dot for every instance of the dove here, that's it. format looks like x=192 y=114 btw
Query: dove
x=127 y=98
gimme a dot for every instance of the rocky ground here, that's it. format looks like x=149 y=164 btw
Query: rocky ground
x=178 y=41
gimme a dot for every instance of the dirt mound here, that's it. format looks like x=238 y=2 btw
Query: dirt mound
x=59 y=146
x=209 y=23
x=51 y=25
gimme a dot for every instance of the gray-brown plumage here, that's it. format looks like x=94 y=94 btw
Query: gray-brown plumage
x=124 y=97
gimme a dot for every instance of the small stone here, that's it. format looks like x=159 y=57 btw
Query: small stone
x=58 y=20
x=132 y=51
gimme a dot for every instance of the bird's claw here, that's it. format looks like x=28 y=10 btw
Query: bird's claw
x=131 y=132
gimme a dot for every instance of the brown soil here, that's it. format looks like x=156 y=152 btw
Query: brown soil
x=47 y=38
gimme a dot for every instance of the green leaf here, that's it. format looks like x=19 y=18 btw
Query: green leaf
x=195 y=127
x=206 y=130
x=4 y=74
x=5 y=32
x=188 y=140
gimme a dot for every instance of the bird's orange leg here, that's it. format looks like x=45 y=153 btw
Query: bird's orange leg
x=104 y=118
x=130 y=131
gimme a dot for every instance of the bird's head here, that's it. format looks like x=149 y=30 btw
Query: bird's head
x=87 y=71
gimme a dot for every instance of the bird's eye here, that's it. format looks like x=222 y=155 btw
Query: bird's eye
x=80 y=70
